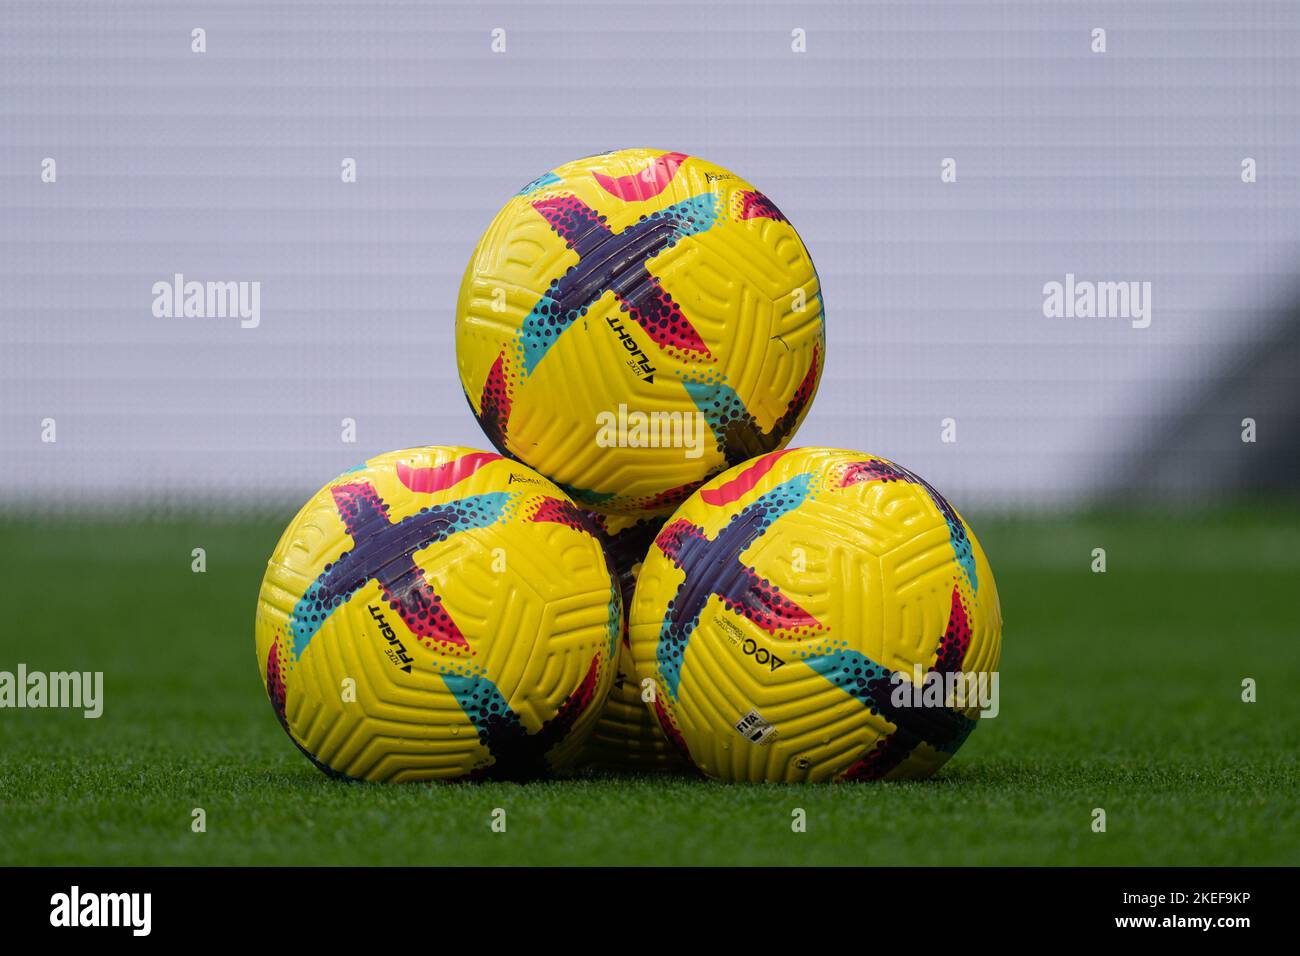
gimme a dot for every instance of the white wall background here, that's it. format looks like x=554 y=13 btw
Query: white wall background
x=225 y=166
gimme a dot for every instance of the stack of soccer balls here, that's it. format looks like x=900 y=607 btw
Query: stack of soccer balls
x=639 y=578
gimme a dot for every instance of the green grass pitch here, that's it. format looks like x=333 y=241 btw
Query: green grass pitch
x=1119 y=690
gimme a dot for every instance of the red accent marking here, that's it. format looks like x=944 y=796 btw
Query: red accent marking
x=494 y=405
x=275 y=681
x=956 y=638
x=891 y=750
x=571 y=218
x=673 y=536
x=647 y=184
x=744 y=482
x=886 y=755
x=441 y=477
x=666 y=324
x=665 y=499
x=767 y=607
x=671 y=732
x=574 y=706
x=754 y=205
x=566 y=513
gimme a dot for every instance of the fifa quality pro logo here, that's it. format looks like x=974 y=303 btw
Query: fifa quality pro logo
x=755 y=728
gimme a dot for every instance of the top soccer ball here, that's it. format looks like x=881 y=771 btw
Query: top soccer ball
x=636 y=322
x=817 y=614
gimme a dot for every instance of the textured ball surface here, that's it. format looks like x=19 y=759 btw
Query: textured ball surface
x=779 y=602
x=632 y=284
x=627 y=735
x=438 y=613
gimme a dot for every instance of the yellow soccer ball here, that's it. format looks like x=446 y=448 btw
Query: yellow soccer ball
x=633 y=323
x=627 y=736
x=817 y=614
x=438 y=613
